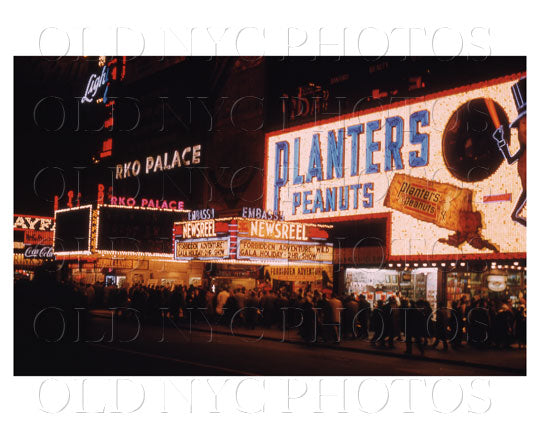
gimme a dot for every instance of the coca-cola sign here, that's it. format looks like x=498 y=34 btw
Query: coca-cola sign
x=41 y=252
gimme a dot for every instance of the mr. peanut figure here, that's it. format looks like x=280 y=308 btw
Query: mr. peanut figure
x=520 y=98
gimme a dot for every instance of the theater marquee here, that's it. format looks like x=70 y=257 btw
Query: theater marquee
x=252 y=241
x=430 y=165
x=201 y=249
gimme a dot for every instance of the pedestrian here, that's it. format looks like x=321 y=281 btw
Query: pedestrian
x=377 y=323
x=308 y=328
x=391 y=322
x=504 y=321
x=252 y=309
x=478 y=323
x=334 y=317
x=230 y=315
x=349 y=315
x=414 y=321
x=268 y=306
x=441 y=326
x=521 y=325
x=221 y=299
x=364 y=311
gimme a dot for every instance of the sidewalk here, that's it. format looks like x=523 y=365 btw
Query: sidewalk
x=512 y=360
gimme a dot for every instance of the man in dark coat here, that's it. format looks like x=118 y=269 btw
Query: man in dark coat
x=364 y=311
x=350 y=313
x=377 y=323
x=414 y=321
x=441 y=326
x=391 y=322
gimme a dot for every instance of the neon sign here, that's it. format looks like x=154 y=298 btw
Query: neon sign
x=35 y=237
x=37 y=223
x=95 y=82
x=202 y=214
x=258 y=213
x=199 y=229
x=165 y=162
x=39 y=252
x=147 y=203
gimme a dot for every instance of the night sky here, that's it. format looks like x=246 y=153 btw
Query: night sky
x=45 y=141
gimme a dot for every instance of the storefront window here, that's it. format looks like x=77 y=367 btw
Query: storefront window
x=375 y=284
x=494 y=284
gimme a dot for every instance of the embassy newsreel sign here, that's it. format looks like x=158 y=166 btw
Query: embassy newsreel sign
x=430 y=164
x=251 y=240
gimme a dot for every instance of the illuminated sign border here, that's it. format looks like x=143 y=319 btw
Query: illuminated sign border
x=95 y=239
x=234 y=242
x=458 y=254
x=84 y=252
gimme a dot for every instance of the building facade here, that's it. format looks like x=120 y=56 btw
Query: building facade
x=396 y=154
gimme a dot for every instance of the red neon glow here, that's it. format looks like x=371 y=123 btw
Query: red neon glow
x=101 y=194
x=35 y=237
x=70 y=199
x=123 y=68
x=107 y=145
x=222 y=227
x=149 y=203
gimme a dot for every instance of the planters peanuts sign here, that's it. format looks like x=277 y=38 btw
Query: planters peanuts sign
x=454 y=193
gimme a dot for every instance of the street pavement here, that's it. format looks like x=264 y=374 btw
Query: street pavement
x=154 y=349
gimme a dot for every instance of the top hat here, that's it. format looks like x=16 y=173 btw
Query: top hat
x=520 y=99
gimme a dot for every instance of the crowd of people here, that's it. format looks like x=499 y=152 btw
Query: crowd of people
x=324 y=317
